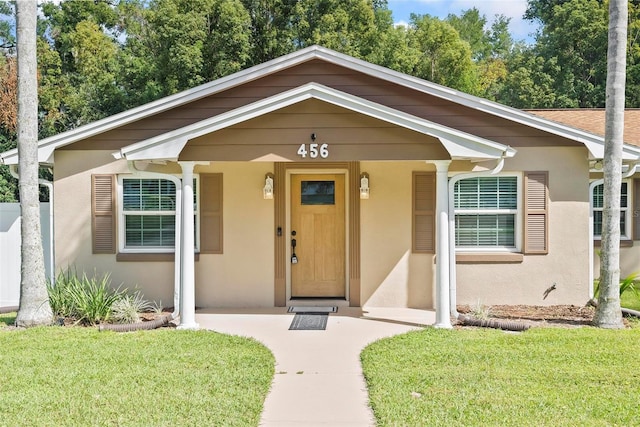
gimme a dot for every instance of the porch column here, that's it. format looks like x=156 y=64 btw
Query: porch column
x=443 y=318
x=188 y=299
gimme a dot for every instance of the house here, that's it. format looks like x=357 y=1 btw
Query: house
x=593 y=120
x=318 y=177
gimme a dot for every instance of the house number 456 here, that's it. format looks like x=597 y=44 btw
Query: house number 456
x=314 y=151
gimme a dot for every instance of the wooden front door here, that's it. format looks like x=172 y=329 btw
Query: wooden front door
x=318 y=222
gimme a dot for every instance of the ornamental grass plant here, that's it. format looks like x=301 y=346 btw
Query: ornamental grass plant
x=87 y=300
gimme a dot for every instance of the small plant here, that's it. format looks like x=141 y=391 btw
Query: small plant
x=157 y=307
x=86 y=299
x=628 y=283
x=481 y=311
x=60 y=295
x=127 y=308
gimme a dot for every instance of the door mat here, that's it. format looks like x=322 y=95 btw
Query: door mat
x=309 y=322
x=312 y=309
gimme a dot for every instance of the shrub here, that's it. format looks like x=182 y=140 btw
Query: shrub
x=86 y=299
x=126 y=309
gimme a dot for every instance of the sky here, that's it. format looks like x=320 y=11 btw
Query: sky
x=514 y=9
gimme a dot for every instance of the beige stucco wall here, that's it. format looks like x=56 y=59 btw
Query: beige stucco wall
x=391 y=275
x=629 y=255
x=629 y=260
x=73 y=170
x=566 y=264
x=241 y=276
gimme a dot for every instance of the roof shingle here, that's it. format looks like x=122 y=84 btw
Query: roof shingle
x=592 y=120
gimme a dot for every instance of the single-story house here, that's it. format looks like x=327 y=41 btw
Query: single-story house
x=593 y=120
x=318 y=177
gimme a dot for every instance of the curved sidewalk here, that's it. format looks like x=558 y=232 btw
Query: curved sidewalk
x=318 y=378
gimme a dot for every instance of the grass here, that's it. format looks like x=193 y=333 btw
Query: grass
x=543 y=377
x=7 y=319
x=630 y=299
x=78 y=376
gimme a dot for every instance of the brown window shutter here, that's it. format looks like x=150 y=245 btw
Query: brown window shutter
x=103 y=214
x=423 y=207
x=636 y=209
x=211 y=213
x=536 y=212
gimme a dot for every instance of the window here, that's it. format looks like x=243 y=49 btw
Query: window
x=148 y=214
x=486 y=213
x=625 y=211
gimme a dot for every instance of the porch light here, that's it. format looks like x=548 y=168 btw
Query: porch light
x=364 y=185
x=267 y=191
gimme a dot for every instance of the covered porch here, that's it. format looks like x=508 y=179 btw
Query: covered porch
x=317 y=131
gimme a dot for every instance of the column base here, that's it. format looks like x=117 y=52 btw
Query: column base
x=189 y=326
x=443 y=325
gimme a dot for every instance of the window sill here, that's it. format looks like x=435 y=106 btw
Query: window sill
x=624 y=243
x=147 y=257
x=485 y=258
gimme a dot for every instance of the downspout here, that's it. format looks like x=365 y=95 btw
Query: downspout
x=452 y=230
x=177 y=255
x=13 y=169
x=632 y=170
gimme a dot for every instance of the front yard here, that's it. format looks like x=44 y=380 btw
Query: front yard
x=543 y=377
x=58 y=376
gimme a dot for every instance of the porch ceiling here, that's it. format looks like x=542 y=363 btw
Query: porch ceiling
x=459 y=145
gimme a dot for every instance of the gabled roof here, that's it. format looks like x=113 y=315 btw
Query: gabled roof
x=593 y=120
x=594 y=143
x=460 y=145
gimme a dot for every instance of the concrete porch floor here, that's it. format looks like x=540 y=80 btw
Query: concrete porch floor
x=318 y=378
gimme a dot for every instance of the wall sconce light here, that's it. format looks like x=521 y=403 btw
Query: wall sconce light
x=364 y=185
x=267 y=191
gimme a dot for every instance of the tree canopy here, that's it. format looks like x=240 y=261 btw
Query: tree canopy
x=97 y=58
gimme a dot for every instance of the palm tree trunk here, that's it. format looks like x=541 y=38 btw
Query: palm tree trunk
x=34 y=301
x=608 y=313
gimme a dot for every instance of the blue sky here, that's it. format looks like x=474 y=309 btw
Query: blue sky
x=514 y=9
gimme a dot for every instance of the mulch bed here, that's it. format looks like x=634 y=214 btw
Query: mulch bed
x=554 y=315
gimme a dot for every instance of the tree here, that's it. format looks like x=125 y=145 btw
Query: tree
x=271 y=30
x=444 y=57
x=471 y=28
x=34 y=301
x=608 y=313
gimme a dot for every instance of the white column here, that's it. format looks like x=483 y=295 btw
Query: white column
x=443 y=318
x=188 y=300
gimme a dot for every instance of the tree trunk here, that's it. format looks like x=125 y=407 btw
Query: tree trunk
x=34 y=301
x=608 y=313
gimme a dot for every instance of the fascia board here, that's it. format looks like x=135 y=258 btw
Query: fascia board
x=166 y=103
x=594 y=143
x=169 y=145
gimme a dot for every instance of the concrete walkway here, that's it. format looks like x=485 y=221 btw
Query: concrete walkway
x=318 y=379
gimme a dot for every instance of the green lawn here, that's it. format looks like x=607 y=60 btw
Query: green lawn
x=631 y=300
x=480 y=377
x=81 y=377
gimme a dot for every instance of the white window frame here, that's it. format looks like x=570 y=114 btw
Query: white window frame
x=625 y=234
x=122 y=213
x=517 y=212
